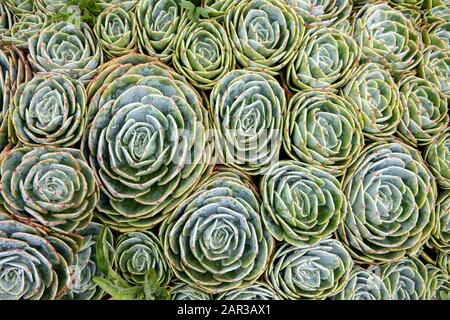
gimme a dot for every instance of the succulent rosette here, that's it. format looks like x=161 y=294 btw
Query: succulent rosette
x=217 y=8
x=405 y=279
x=438 y=34
x=148 y=142
x=264 y=34
x=67 y=49
x=84 y=268
x=310 y=272
x=302 y=204
x=14 y=70
x=52 y=186
x=20 y=7
x=182 y=291
x=375 y=92
x=325 y=59
x=413 y=4
x=138 y=252
x=344 y=26
x=257 y=291
x=158 y=23
x=443 y=260
x=387 y=37
x=435 y=67
x=203 y=53
x=127 y=5
x=116 y=31
x=438 y=286
x=215 y=240
x=35 y=263
x=441 y=232
x=324 y=130
x=49 y=110
x=412 y=14
x=438 y=13
x=26 y=27
x=392 y=199
x=321 y=13
x=247 y=109
x=6 y=19
x=437 y=156
x=425 y=113
x=363 y=285
x=51 y=7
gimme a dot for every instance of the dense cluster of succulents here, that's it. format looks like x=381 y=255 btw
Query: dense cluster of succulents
x=224 y=149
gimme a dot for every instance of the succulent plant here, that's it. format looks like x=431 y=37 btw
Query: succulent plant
x=363 y=285
x=302 y=204
x=20 y=7
x=65 y=48
x=443 y=260
x=137 y=252
x=127 y=5
x=148 y=142
x=438 y=285
x=425 y=111
x=441 y=232
x=375 y=92
x=217 y=8
x=49 y=110
x=224 y=149
x=84 y=268
x=324 y=130
x=52 y=186
x=203 y=53
x=14 y=70
x=159 y=21
x=247 y=109
x=215 y=240
x=412 y=14
x=344 y=26
x=438 y=34
x=435 y=67
x=325 y=59
x=35 y=263
x=392 y=198
x=257 y=291
x=438 y=13
x=27 y=26
x=413 y=4
x=320 y=13
x=51 y=7
x=116 y=31
x=387 y=37
x=437 y=156
x=310 y=272
x=264 y=34
x=405 y=279
x=182 y=291
x=6 y=18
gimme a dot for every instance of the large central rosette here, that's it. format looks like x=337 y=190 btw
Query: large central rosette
x=148 y=141
x=216 y=240
x=392 y=196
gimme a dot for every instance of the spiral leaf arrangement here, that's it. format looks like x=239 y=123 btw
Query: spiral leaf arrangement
x=224 y=150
